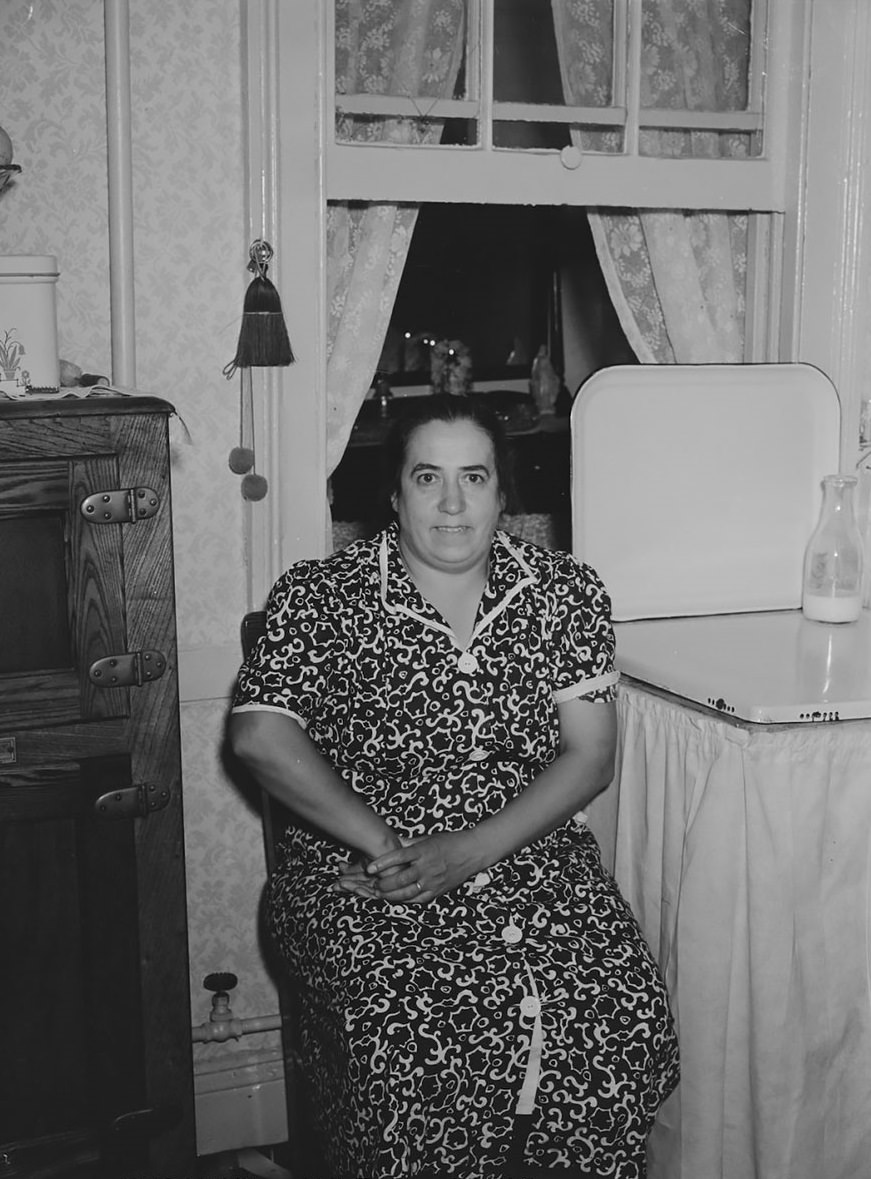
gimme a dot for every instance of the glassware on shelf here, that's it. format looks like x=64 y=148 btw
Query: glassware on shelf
x=383 y=394
x=832 y=582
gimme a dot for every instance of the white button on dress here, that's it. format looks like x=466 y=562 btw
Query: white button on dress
x=530 y=1005
x=467 y=662
x=511 y=934
x=481 y=881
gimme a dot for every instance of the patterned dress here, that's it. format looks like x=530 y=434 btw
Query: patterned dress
x=529 y=989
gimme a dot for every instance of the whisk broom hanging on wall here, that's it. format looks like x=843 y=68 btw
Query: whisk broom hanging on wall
x=263 y=343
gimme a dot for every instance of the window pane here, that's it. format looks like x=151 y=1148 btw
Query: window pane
x=526 y=69
x=523 y=134
x=696 y=57
x=585 y=44
x=525 y=62
x=698 y=145
x=384 y=51
x=585 y=36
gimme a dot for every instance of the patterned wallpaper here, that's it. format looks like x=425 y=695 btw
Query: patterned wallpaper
x=52 y=104
x=190 y=256
x=225 y=874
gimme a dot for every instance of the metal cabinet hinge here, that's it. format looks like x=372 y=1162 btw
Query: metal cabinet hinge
x=120 y=505
x=132 y=802
x=132 y=669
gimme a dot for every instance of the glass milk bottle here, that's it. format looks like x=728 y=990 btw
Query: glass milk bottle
x=832 y=584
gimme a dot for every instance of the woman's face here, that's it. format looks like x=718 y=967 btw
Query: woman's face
x=449 y=500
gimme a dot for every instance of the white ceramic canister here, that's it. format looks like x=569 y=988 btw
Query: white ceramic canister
x=28 y=325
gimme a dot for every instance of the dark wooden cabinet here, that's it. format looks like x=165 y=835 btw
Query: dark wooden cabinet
x=95 y=1067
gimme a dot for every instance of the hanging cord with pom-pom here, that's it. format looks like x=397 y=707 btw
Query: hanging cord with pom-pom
x=263 y=343
x=241 y=460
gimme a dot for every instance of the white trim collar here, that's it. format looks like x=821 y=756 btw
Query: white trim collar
x=501 y=549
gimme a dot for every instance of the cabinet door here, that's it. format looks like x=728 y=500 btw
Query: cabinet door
x=62 y=592
x=74 y=1057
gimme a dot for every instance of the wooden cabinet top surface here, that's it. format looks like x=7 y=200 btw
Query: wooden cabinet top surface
x=52 y=407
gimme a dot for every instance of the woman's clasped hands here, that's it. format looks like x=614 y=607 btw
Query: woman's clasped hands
x=420 y=869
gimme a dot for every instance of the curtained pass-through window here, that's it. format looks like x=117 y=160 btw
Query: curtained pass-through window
x=505 y=280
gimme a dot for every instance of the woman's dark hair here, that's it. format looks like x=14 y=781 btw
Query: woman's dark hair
x=445 y=407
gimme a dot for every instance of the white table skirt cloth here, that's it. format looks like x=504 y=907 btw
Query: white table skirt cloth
x=745 y=854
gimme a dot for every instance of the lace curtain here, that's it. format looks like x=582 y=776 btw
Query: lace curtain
x=404 y=47
x=677 y=280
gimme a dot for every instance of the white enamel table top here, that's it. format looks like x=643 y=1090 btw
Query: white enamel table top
x=768 y=667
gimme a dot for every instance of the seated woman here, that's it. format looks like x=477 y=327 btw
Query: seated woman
x=435 y=706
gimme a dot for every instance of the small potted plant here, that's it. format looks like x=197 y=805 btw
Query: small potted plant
x=12 y=378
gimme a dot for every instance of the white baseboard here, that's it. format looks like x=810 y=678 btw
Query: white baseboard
x=240 y=1106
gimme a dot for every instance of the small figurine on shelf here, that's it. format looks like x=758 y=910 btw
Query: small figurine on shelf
x=450 y=368
x=544 y=382
x=383 y=394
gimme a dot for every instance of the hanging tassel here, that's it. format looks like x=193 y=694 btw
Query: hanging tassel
x=263 y=343
x=263 y=340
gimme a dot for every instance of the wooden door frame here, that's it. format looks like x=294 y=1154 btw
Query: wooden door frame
x=285 y=203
